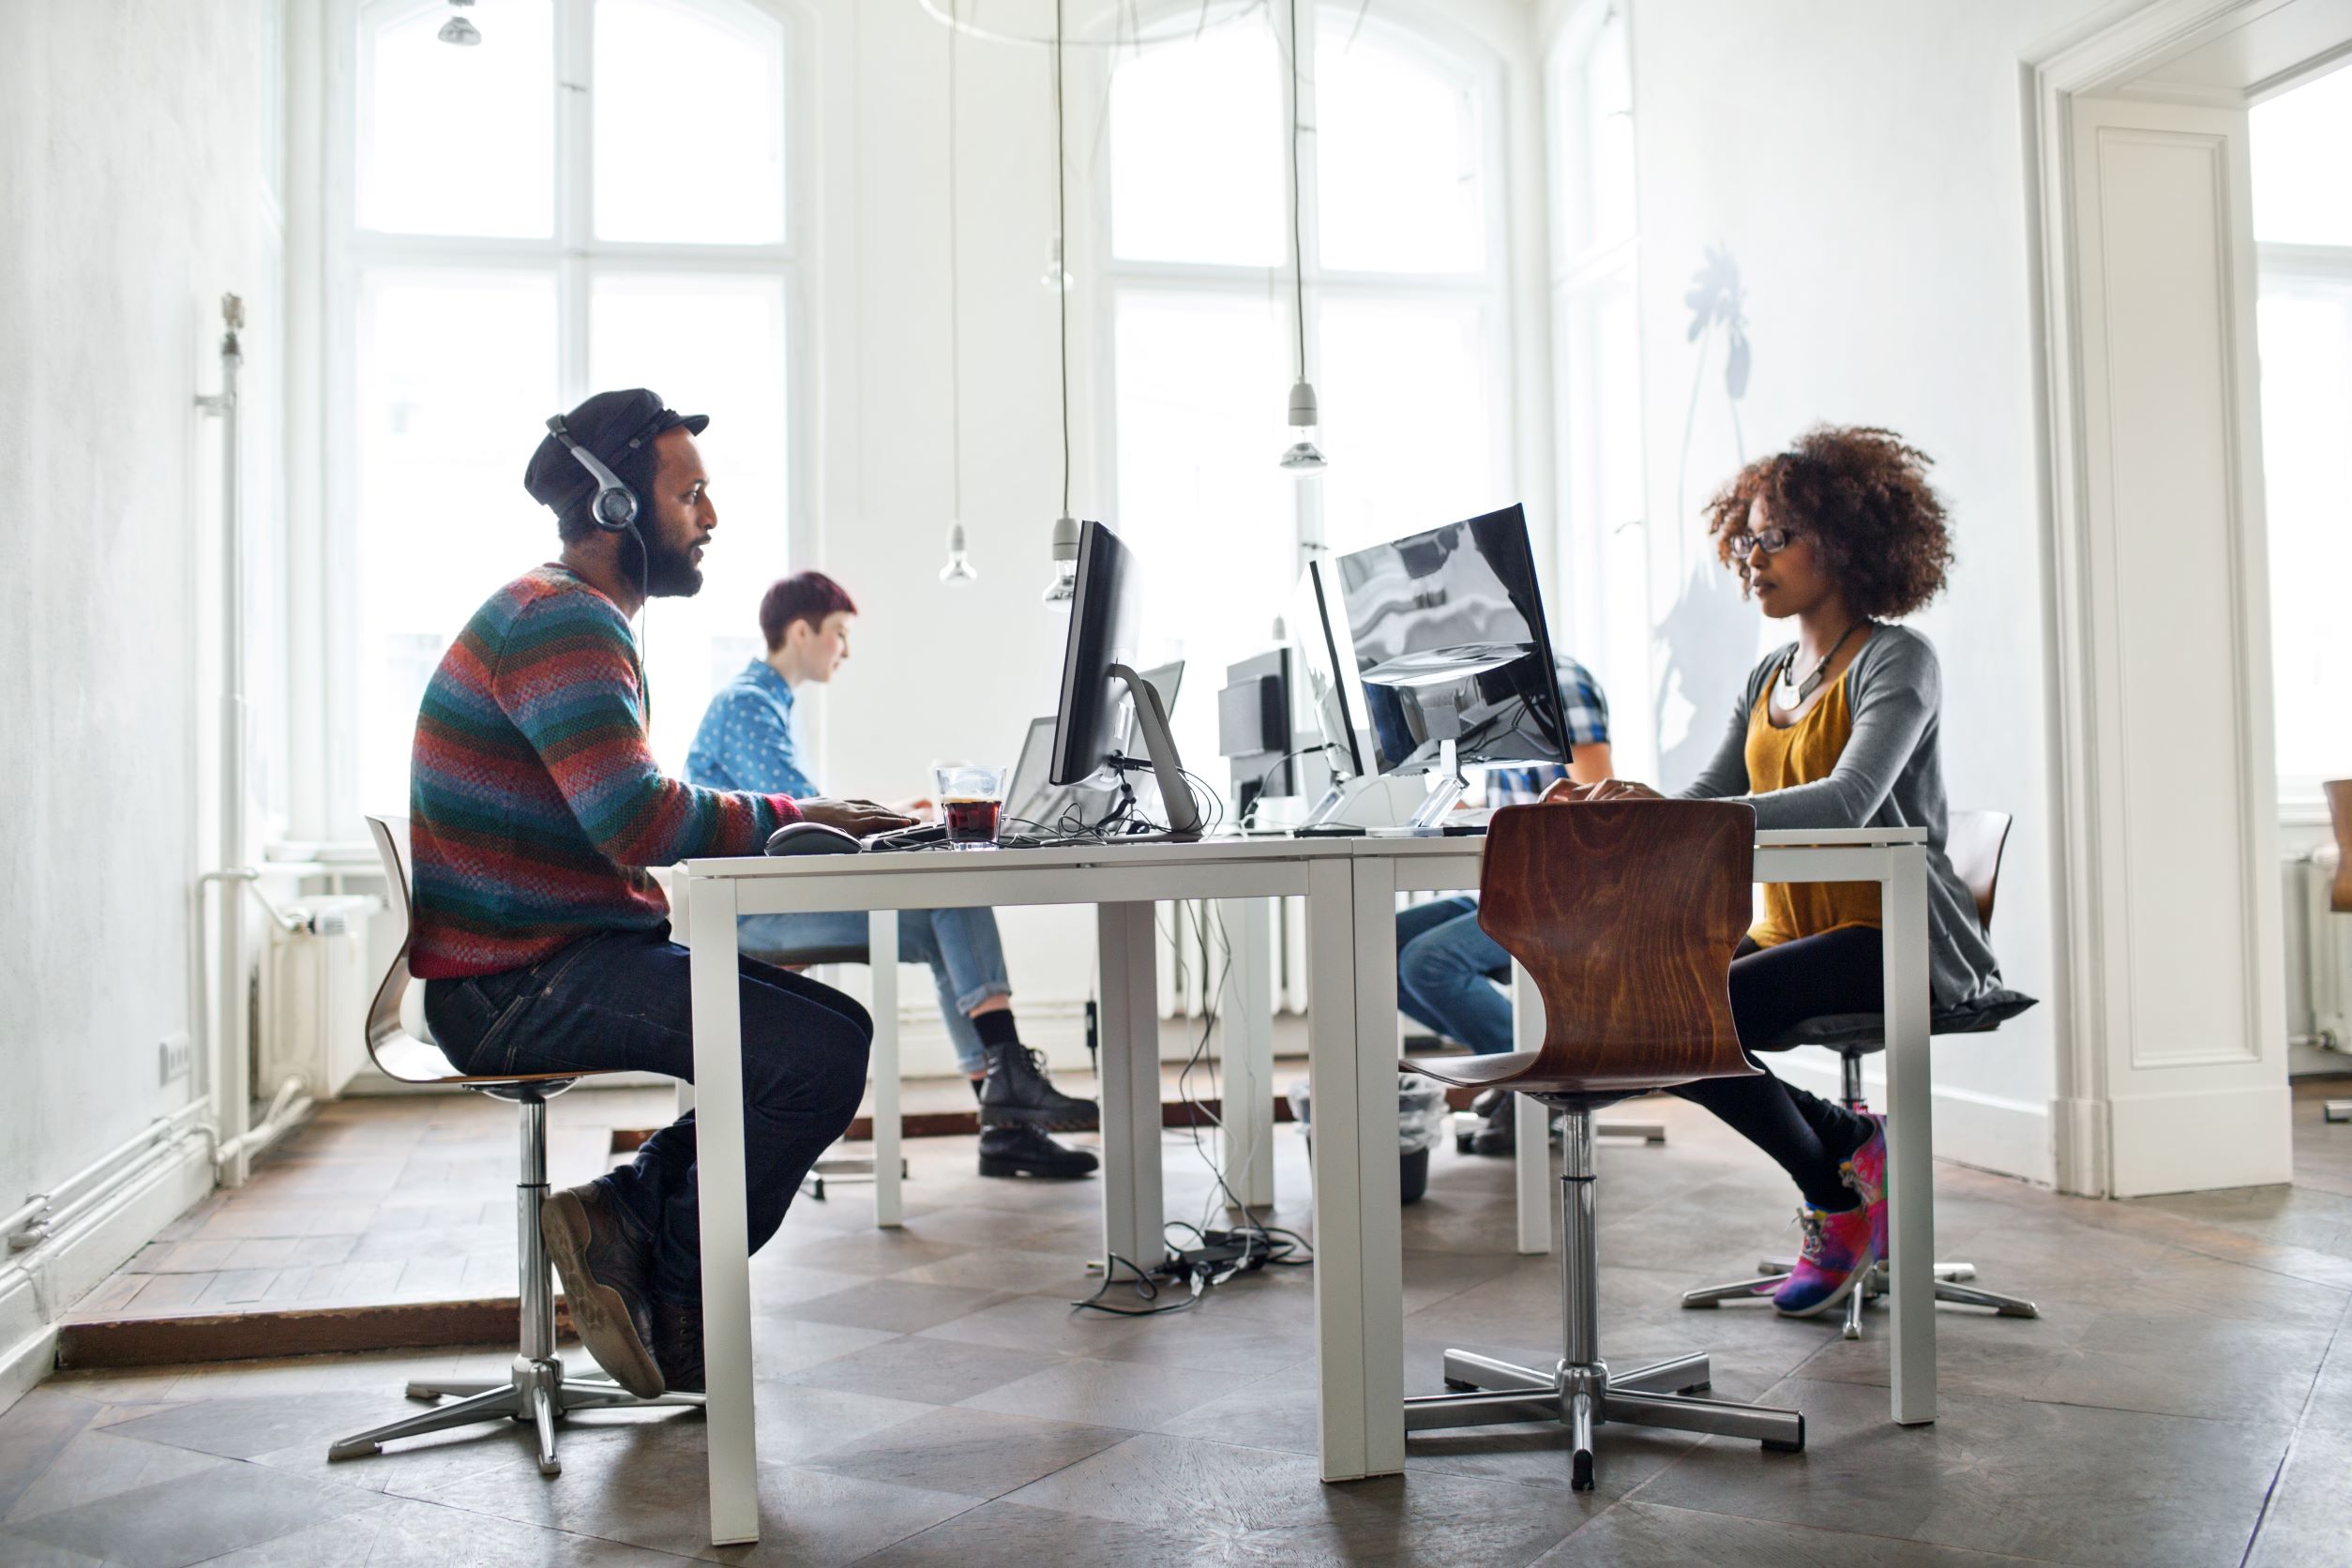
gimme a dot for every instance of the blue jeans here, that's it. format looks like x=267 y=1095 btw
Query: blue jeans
x=1446 y=975
x=619 y=1000
x=966 y=956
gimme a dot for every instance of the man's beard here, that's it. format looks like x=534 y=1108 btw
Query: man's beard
x=670 y=570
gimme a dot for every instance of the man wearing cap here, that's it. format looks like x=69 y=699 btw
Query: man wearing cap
x=544 y=943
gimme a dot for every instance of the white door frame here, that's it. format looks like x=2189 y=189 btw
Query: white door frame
x=2092 y=874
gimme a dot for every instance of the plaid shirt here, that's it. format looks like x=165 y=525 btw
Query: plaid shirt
x=1585 y=712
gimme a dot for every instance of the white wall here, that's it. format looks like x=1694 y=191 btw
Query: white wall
x=128 y=205
x=935 y=672
x=1863 y=163
x=129 y=180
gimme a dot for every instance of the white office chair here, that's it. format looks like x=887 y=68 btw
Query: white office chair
x=537 y=1390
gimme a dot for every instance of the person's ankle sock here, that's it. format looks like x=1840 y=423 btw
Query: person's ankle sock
x=976 y=1085
x=1834 y=1199
x=996 y=1028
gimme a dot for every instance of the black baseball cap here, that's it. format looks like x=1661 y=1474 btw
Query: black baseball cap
x=618 y=428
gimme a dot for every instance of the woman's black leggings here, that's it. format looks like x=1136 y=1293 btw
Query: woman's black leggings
x=1772 y=989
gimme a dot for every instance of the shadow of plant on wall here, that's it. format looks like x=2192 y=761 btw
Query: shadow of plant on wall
x=1708 y=636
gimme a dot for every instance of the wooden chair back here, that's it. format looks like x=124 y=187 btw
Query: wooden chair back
x=1973 y=843
x=2340 y=818
x=1625 y=913
x=398 y=1041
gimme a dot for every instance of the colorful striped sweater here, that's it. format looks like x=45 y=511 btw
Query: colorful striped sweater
x=535 y=804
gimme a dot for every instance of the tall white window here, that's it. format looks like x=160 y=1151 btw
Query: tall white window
x=1596 y=359
x=1407 y=331
x=2303 y=227
x=594 y=196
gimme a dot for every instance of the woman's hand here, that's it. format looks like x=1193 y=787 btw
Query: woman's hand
x=862 y=818
x=1568 y=793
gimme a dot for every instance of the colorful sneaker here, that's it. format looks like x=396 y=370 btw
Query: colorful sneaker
x=1835 y=1257
x=1865 y=1171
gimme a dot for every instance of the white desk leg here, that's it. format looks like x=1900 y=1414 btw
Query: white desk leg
x=1133 y=1208
x=1530 y=1122
x=1911 y=1138
x=681 y=921
x=1247 y=1011
x=1359 y=1258
x=726 y=1248
x=881 y=957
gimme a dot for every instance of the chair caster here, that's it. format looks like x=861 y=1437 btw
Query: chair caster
x=551 y=1467
x=1797 y=1447
x=1455 y=1385
x=424 y=1395
x=1580 y=1470
x=352 y=1450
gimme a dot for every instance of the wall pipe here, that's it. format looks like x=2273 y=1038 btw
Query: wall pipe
x=232 y=1070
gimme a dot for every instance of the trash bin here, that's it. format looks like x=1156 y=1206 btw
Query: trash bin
x=1421 y=1122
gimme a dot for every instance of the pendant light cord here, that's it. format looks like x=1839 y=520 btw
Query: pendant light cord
x=1062 y=252
x=1298 y=247
x=954 y=332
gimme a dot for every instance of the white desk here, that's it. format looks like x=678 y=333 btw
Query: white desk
x=1349 y=887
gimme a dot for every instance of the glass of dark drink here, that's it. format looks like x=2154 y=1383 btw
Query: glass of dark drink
x=971 y=797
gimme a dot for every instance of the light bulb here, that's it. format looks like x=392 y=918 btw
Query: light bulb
x=1064 y=588
x=960 y=569
x=1303 y=457
x=1056 y=278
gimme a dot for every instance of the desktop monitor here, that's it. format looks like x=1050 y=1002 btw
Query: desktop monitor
x=1102 y=690
x=1326 y=668
x=1451 y=653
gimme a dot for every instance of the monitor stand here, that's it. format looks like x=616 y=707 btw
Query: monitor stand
x=1430 y=821
x=1159 y=748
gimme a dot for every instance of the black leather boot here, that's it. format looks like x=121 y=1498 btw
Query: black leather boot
x=1017 y=1092
x=1026 y=1151
x=1501 y=1134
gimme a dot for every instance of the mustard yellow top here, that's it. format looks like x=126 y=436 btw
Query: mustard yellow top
x=1804 y=753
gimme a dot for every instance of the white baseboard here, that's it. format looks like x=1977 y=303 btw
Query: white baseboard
x=38 y=1287
x=2202 y=1141
x=2009 y=1138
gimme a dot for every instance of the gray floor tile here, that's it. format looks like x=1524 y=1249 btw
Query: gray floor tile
x=2060 y=1481
x=398 y=1533
x=1102 y=1393
x=972 y=1453
x=932 y=1371
x=1638 y=1535
x=799 y=1424
x=900 y=1306
x=22 y=1551
x=195 y=1517
x=239 y=1429
x=1008 y=1535
x=2309 y=1516
x=100 y=1463
x=34 y=1431
x=1042 y=1324
x=783 y=1346
x=1254 y=1505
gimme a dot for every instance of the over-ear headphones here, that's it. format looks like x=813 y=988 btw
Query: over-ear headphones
x=616 y=508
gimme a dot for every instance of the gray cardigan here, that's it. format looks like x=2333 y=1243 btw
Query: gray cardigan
x=1890 y=774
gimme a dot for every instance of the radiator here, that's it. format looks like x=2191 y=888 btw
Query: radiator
x=1192 y=957
x=313 y=994
x=2319 y=953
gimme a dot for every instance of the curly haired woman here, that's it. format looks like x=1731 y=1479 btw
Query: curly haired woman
x=1838 y=729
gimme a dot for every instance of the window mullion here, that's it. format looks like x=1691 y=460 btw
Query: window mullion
x=575 y=195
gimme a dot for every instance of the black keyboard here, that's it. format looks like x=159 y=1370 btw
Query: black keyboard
x=907 y=839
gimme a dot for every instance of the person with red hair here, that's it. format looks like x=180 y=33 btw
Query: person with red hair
x=748 y=733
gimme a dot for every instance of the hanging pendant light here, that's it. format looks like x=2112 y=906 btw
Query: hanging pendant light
x=960 y=569
x=1303 y=456
x=1063 y=587
x=459 y=31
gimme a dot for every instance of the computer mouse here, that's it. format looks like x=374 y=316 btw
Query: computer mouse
x=811 y=839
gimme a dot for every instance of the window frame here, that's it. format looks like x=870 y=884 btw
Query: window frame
x=574 y=256
x=1437 y=42
x=2282 y=267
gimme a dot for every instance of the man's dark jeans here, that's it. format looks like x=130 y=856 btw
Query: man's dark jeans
x=620 y=1000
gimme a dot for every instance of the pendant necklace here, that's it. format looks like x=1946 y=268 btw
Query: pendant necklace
x=1811 y=682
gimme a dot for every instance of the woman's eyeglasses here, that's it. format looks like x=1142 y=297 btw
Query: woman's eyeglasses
x=1747 y=547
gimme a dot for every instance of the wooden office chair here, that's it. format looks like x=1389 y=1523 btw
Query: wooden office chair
x=2339 y=894
x=1625 y=913
x=1973 y=843
x=538 y=1391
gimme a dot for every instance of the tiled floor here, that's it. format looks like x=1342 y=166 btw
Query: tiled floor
x=410 y=1199
x=928 y=1396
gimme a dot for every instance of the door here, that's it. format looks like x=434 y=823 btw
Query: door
x=2178 y=1077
